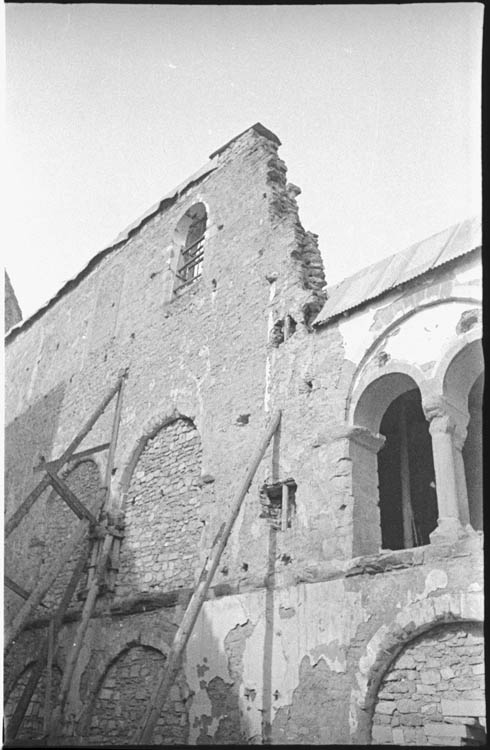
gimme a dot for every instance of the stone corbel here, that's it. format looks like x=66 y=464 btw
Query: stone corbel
x=361 y=436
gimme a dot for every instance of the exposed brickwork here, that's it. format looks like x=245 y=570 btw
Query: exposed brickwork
x=32 y=724
x=434 y=687
x=123 y=698
x=163 y=529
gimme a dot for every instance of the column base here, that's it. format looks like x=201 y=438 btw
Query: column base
x=447 y=530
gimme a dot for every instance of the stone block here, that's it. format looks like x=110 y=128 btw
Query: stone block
x=440 y=729
x=447 y=673
x=385 y=707
x=430 y=676
x=406 y=706
x=382 y=735
x=463 y=707
x=398 y=738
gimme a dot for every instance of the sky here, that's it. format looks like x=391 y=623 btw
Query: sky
x=109 y=107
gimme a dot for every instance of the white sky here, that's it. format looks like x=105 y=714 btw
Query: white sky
x=108 y=107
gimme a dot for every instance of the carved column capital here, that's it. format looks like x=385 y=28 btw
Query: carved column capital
x=442 y=423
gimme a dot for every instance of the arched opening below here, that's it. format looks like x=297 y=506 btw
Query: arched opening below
x=473 y=455
x=407 y=495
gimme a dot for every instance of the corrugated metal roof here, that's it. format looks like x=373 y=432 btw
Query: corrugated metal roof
x=401 y=267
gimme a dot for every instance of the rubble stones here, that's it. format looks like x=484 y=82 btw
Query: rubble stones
x=431 y=715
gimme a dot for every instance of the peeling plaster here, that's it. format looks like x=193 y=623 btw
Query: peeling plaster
x=216 y=619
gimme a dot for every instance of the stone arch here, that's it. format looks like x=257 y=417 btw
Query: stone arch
x=145 y=432
x=456 y=347
x=161 y=502
x=391 y=472
x=374 y=395
x=33 y=721
x=121 y=697
x=389 y=641
x=387 y=331
x=410 y=707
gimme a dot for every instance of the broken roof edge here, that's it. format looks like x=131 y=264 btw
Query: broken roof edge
x=125 y=235
x=325 y=317
x=258 y=128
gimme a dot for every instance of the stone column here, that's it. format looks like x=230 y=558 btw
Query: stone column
x=463 y=504
x=442 y=428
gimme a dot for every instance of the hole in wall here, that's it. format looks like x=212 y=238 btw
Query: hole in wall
x=214 y=284
x=271 y=499
x=245 y=566
x=243 y=419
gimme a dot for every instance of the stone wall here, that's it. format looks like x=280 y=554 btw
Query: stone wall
x=433 y=690
x=163 y=527
x=122 y=699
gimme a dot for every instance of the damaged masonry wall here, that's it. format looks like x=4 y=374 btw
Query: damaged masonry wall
x=303 y=624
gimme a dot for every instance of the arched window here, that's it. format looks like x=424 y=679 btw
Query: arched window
x=463 y=389
x=189 y=235
x=395 y=500
x=407 y=494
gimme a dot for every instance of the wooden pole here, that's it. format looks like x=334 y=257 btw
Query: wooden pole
x=75 y=456
x=55 y=625
x=39 y=591
x=49 y=678
x=13 y=586
x=77 y=644
x=98 y=574
x=145 y=731
x=108 y=476
x=284 y=507
x=25 y=507
x=407 y=514
x=70 y=498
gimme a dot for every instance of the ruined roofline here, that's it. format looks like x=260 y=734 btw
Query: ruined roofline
x=168 y=200
x=398 y=269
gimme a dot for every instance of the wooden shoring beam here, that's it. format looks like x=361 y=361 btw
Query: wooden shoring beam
x=74 y=457
x=55 y=626
x=41 y=588
x=49 y=678
x=69 y=497
x=157 y=702
x=108 y=476
x=103 y=555
x=55 y=724
x=27 y=504
x=13 y=586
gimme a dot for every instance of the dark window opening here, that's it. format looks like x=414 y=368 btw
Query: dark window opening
x=407 y=493
x=282 y=330
x=191 y=256
x=279 y=503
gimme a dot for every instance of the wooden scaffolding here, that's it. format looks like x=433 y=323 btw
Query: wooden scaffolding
x=103 y=526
